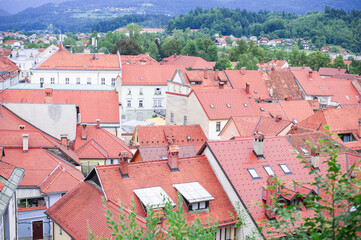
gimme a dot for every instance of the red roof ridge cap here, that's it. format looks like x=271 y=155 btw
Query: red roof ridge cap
x=56 y=177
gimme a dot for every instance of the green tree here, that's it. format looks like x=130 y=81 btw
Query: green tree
x=212 y=53
x=248 y=61
x=153 y=51
x=200 y=45
x=336 y=208
x=222 y=64
x=127 y=47
x=318 y=59
x=339 y=63
x=171 y=46
x=229 y=40
x=190 y=49
x=134 y=31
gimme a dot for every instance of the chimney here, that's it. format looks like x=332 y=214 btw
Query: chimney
x=123 y=164
x=48 y=95
x=98 y=123
x=278 y=118
x=258 y=145
x=25 y=143
x=221 y=85
x=359 y=127
x=205 y=73
x=173 y=156
x=83 y=132
x=72 y=145
x=288 y=98
x=64 y=140
x=310 y=74
x=315 y=158
x=247 y=88
x=243 y=70
x=294 y=129
x=339 y=69
x=272 y=69
x=300 y=93
x=216 y=75
x=271 y=193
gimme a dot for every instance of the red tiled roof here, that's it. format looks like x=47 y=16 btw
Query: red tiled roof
x=6 y=170
x=9 y=121
x=157 y=135
x=194 y=169
x=10 y=42
x=236 y=156
x=148 y=74
x=5 y=52
x=201 y=79
x=38 y=165
x=289 y=110
x=313 y=85
x=141 y=59
x=253 y=78
x=8 y=69
x=342 y=90
x=330 y=71
x=188 y=62
x=91 y=103
x=100 y=143
x=13 y=138
x=274 y=63
x=151 y=153
x=239 y=102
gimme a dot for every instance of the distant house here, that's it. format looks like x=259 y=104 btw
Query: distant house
x=325 y=49
x=85 y=42
x=13 y=43
x=220 y=42
x=253 y=38
x=44 y=40
x=189 y=62
x=274 y=42
x=330 y=72
x=287 y=42
x=263 y=41
x=9 y=73
x=274 y=64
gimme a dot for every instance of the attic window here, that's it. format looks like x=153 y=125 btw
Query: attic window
x=295 y=121
x=245 y=105
x=357 y=98
x=141 y=78
x=164 y=157
x=229 y=106
x=153 y=197
x=347 y=98
x=212 y=106
x=195 y=196
x=262 y=109
x=269 y=170
x=253 y=173
x=304 y=150
x=347 y=137
x=285 y=169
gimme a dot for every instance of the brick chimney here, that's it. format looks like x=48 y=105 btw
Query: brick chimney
x=278 y=118
x=83 y=132
x=98 y=123
x=25 y=143
x=294 y=129
x=273 y=69
x=216 y=75
x=123 y=164
x=310 y=74
x=221 y=85
x=359 y=127
x=205 y=73
x=315 y=158
x=64 y=140
x=173 y=157
x=247 y=88
x=288 y=98
x=48 y=95
x=271 y=193
x=258 y=145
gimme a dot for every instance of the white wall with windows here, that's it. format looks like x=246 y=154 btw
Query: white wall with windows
x=142 y=101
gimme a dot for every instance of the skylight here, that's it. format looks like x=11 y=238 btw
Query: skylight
x=253 y=173
x=347 y=97
x=269 y=170
x=357 y=98
x=153 y=196
x=304 y=150
x=262 y=109
x=285 y=169
x=245 y=105
x=212 y=106
x=229 y=106
x=193 y=192
x=295 y=121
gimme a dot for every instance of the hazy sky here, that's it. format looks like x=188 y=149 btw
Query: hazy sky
x=15 y=6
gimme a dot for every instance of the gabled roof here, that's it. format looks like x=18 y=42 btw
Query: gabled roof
x=257 y=86
x=151 y=153
x=282 y=83
x=147 y=74
x=239 y=103
x=91 y=103
x=273 y=64
x=159 y=135
x=39 y=164
x=100 y=143
x=311 y=82
x=203 y=79
x=188 y=62
x=331 y=71
x=64 y=60
x=37 y=139
x=8 y=69
x=342 y=91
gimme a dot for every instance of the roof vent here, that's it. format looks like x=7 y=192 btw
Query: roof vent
x=141 y=78
x=212 y=106
x=188 y=138
x=229 y=106
x=245 y=105
x=262 y=109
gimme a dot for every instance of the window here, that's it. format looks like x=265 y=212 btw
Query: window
x=31 y=202
x=89 y=81
x=269 y=170
x=185 y=120
x=155 y=103
x=218 y=126
x=212 y=106
x=129 y=91
x=41 y=80
x=285 y=169
x=66 y=80
x=347 y=137
x=198 y=206
x=52 y=80
x=171 y=117
x=229 y=106
x=141 y=103
x=304 y=150
x=113 y=81
x=103 y=81
x=140 y=91
x=158 y=91
x=77 y=80
x=129 y=103
x=159 y=103
x=253 y=173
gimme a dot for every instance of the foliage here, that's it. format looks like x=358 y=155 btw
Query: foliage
x=171 y=46
x=127 y=47
x=222 y=64
x=336 y=207
x=316 y=60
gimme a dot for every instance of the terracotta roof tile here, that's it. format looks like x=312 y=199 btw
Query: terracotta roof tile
x=151 y=153
x=331 y=71
x=13 y=138
x=188 y=62
x=311 y=82
x=6 y=170
x=8 y=69
x=283 y=85
x=342 y=90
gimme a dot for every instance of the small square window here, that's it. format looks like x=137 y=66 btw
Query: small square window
x=185 y=120
x=218 y=126
x=89 y=81
x=129 y=91
x=103 y=81
x=52 y=80
x=269 y=170
x=67 y=81
x=285 y=169
x=253 y=173
x=78 y=81
x=158 y=91
x=140 y=103
x=140 y=91
x=113 y=81
x=129 y=103
x=41 y=80
x=171 y=117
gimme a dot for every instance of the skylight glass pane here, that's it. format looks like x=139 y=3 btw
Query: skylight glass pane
x=269 y=170
x=285 y=168
x=304 y=150
x=253 y=173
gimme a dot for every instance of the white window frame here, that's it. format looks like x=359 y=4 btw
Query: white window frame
x=285 y=168
x=102 y=81
x=67 y=80
x=269 y=170
x=253 y=173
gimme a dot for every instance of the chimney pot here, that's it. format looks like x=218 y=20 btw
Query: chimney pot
x=310 y=74
x=247 y=88
x=64 y=140
x=271 y=193
x=83 y=132
x=123 y=164
x=294 y=129
x=278 y=118
x=98 y=123
x=216 y=75
x=173 y=157
x=315 y=158
x=339 y=69
x=205 y=73
x=258 y=145
x=25 y=143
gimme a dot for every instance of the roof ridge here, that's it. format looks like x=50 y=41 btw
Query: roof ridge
x=51 y=183
x=87 y=144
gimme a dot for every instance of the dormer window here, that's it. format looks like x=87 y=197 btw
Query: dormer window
x=194 y=195
x=347 y=137
x=152 y=197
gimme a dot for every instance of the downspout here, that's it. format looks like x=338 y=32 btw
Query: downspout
x=49 y=222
